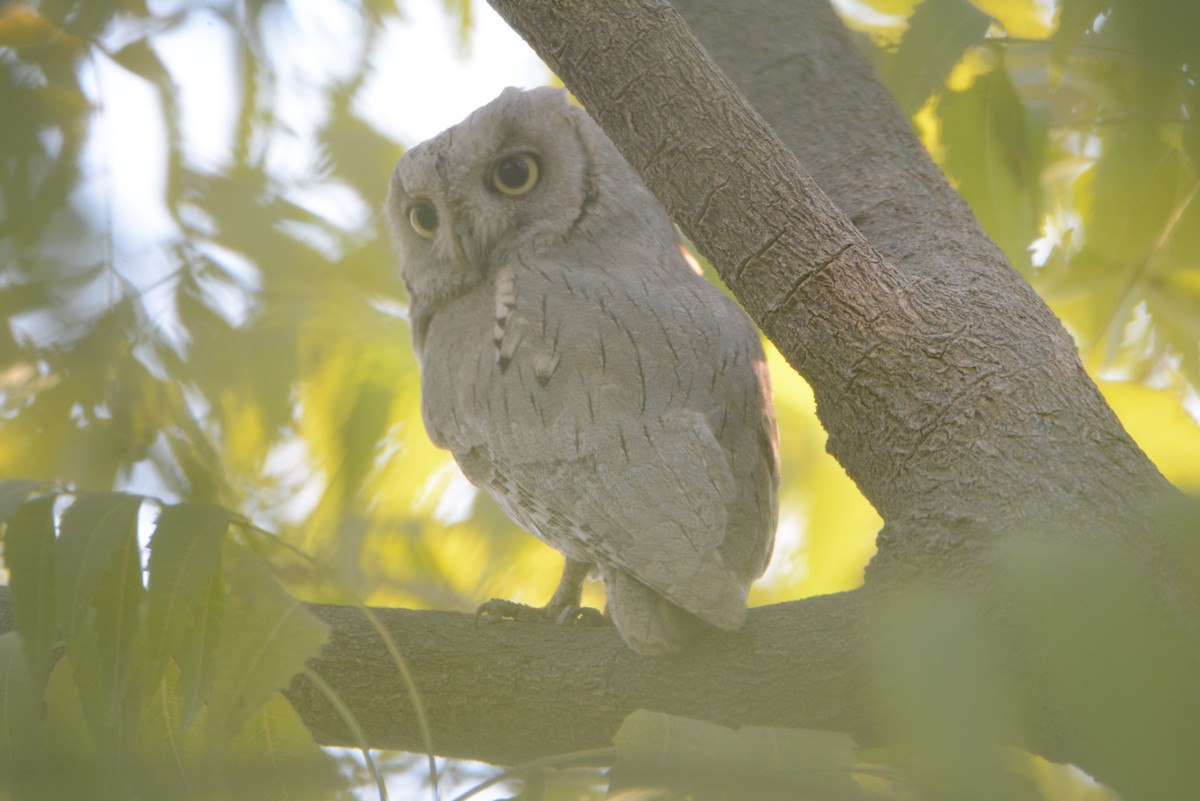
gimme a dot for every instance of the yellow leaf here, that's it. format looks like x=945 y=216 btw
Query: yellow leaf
x=975 y=62
x=22 y=26
x=1158 y=422
x=1022 y=19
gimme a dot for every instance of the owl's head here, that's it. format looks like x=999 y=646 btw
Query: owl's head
x=517 y=176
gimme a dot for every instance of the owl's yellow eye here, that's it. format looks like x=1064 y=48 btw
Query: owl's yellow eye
x=424 y=219
x=515 y=175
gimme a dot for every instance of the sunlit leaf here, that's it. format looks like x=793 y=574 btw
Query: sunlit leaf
x=893 y=8
x=992 y=153
x=1157 y=421
x=838 y=524
x=938 y=34
x=274 y=636
x=98 y=589
x=185 y=559
x=23 y=27
x=1022 y=19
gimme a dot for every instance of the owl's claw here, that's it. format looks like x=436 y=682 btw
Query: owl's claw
x=582 y=616
x=499 y=609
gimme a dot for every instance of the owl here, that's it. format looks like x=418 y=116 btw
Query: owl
x=613 y=402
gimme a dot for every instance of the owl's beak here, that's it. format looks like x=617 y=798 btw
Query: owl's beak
x=472 y=248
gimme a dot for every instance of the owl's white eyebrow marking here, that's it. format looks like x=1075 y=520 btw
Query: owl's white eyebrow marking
x=506 y=300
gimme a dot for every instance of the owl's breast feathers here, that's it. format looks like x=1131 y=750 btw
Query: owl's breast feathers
x=622 y=417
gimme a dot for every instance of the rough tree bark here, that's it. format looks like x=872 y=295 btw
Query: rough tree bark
x=950 y=392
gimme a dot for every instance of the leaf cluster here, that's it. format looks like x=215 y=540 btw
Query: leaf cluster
x=155 y=680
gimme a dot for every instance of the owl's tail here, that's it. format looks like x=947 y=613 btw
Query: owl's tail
x=648 y=622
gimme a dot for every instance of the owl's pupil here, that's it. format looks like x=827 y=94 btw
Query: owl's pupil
x=513 y=172
x=426 y=217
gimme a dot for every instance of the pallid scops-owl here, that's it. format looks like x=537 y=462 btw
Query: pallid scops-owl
x=612 y=401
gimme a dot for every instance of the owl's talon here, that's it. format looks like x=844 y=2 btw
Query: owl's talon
x=582 y=616
x=499 y=609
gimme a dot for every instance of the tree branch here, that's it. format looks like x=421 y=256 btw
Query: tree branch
x=510 y=692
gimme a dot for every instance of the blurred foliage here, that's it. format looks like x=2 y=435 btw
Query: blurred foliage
x=228 y=328
x=145 y=690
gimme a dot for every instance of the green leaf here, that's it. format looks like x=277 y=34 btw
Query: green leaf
x=664 y=751
x=99 y=589
x=197 y=652
x=185 y=559
x=275 y=758
x=167 y=756
x=139 y=58
x=1077 y=19
x=994 y=153
x=274 y=637
x=14 y=491
x=1108 y=651
x=940 y=686
x=20 y=706
x=1137 y=189
x=1161 y=426
x=118 y=605
x=29 y=556
x=938 y=34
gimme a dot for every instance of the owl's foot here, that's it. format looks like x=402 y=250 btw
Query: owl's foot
x=564 y=608
x=582 y=616
x=499 y=609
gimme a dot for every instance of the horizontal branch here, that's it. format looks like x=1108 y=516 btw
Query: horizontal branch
x=510 y=692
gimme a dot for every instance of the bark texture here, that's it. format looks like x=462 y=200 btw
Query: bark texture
x=508 y=692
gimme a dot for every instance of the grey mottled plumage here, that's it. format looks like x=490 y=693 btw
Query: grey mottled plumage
x=613 y=402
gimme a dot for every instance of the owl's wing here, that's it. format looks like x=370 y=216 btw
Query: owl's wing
x=605 y=420
x=652 y=501
x=663 y=503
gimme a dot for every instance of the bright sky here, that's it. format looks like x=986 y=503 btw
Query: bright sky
x=423 y=68
x=423 y=82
